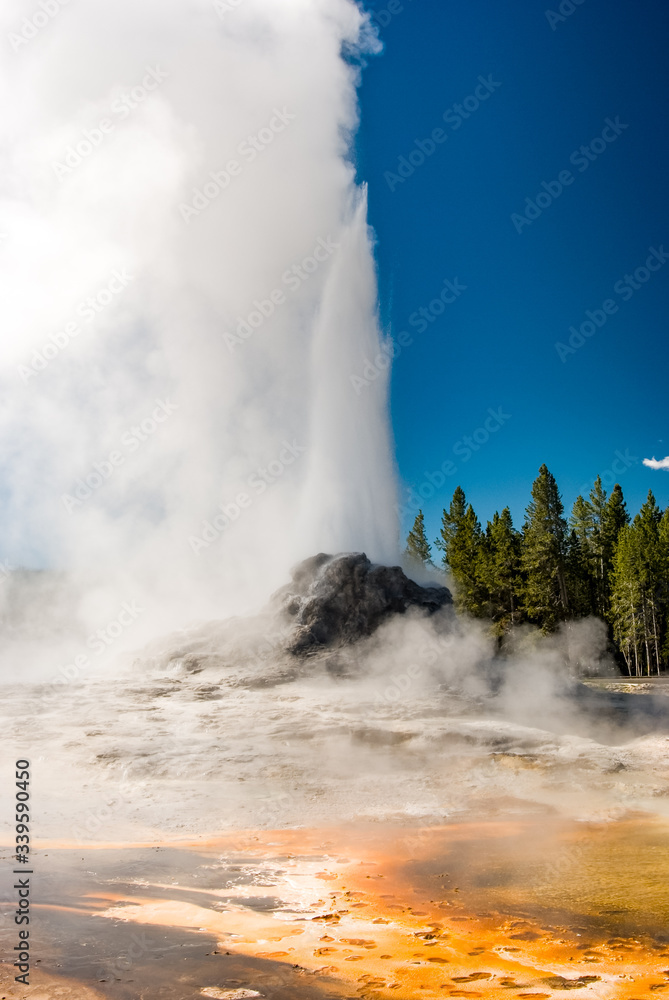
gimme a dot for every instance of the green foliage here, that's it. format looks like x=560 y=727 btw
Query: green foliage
x=461 y=541
x=583 y=557
x=450 y=520
x=579 y=576
x=625 y=599
x=595 y=553
x=543 y=555
x=418 y=548
x=501 y=573
x=613 y=520
x=598 y=564
x=663 y=590
x=636 y=582
x=582 y=521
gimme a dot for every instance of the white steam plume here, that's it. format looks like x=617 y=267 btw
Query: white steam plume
x=190 y=173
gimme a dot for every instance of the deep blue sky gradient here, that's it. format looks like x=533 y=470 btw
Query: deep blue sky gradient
x=495 y=345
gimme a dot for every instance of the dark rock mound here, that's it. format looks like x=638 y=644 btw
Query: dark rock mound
x=335 y=600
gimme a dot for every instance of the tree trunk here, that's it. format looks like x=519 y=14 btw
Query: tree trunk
x=562 y=584
x=645 y=638
x=655 y=640
x=636 y=651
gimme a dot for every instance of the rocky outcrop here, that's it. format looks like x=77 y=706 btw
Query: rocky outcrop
x=336 y=600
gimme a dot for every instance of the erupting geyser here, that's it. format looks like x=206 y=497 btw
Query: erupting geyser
x=188 y=290
x=227 y=199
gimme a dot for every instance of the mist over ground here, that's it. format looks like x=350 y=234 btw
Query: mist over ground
x=219 y=727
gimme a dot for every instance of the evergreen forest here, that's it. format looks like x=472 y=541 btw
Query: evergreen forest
x=597 y=562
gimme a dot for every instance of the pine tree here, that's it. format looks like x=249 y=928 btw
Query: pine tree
x=450 y=521
x=636 y=606
x=596 y=554
x=647 y=525
x=582 y=565
x=579 y=577
x=466 y=562
x=614 y=518
x=418 y=548
x=544 y=553
x=501 y=573
x=663 y=589
x=582 y=521
x=461 y=541
x=625 y=597
x=588 y=519
x=598 y=502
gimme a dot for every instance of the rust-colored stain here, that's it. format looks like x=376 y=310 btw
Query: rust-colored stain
x=535 y=915
x=529 y=908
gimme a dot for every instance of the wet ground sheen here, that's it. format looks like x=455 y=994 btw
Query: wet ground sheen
x=521 y=908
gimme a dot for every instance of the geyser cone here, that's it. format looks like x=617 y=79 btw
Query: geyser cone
x=336 y=600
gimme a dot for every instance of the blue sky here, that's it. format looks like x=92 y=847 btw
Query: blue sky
x=596 y=78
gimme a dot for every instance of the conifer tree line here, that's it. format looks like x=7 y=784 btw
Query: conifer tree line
x=599 y=561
